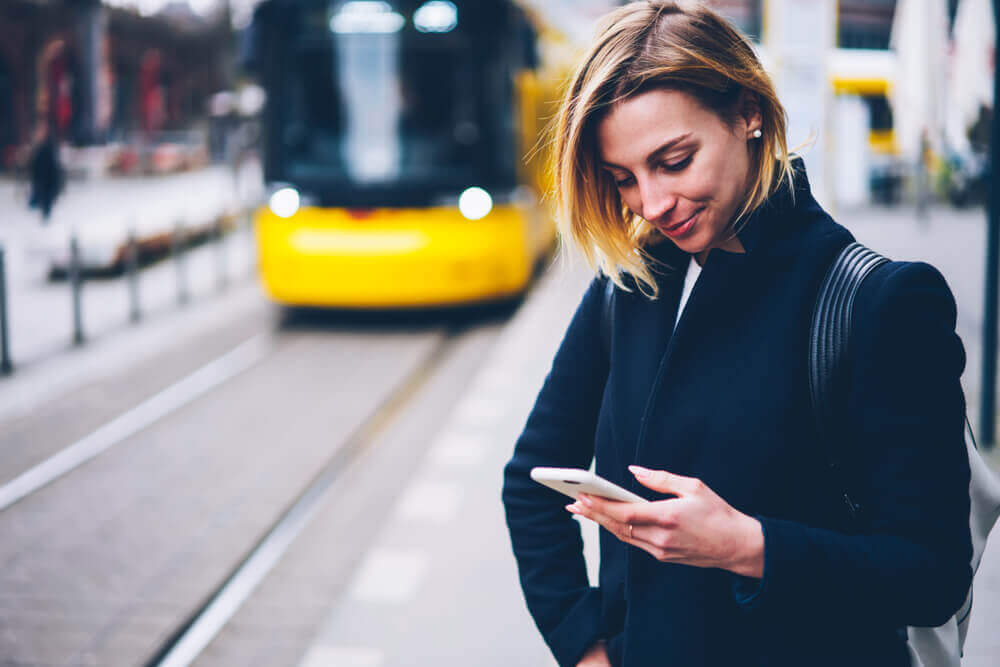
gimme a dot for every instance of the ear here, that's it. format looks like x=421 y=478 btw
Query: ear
x=749 y=111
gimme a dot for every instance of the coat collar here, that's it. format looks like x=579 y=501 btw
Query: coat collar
x=771 y=220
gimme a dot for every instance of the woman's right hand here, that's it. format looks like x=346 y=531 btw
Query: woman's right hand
x=596 y=656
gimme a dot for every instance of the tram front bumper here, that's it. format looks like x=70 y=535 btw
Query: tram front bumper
x=396 y=259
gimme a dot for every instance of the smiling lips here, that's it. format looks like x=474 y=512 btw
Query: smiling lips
x=681 y=228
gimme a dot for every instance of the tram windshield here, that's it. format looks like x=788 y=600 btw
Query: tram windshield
x=374 y=104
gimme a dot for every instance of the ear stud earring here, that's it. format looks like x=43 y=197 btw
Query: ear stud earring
x=757 y=133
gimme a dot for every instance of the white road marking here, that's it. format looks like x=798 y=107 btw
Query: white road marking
x=457 y=449
x=437 y=502
x=138 y=418
x=342 y=656
x=390 y=575
x=104 y=356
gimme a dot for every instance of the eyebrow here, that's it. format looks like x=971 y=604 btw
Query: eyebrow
x=656 y=154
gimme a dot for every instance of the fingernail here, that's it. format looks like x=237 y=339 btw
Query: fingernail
x=573 y=508
x=585 y=500
x=640 y=472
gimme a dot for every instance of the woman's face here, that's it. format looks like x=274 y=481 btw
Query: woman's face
x=679 y=166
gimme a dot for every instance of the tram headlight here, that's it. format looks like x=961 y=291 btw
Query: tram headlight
x=475 y=203
x=436 y=16
x=285 y=202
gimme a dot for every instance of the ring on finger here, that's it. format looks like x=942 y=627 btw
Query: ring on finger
x=630 y=531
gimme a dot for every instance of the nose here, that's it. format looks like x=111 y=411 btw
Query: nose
x=657 y=199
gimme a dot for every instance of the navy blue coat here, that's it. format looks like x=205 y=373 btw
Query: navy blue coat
x=725 y=398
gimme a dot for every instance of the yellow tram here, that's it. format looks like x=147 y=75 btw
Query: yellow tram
x=400 y=152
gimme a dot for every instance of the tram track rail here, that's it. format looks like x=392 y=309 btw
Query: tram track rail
x=183 y=646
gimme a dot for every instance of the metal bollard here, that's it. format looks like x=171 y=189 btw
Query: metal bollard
x=76 y=284
x=220 y=244
x=179 y=261
x=5 y=365
x=132 y=271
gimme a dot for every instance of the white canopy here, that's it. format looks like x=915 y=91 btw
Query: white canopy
x=970 y=83
x=920 y=39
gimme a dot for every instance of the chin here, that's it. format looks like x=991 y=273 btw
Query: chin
x=691 y=246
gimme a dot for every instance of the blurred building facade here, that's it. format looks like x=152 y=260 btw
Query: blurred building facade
x=876 y=90
x=94 y=75
x=862 y=24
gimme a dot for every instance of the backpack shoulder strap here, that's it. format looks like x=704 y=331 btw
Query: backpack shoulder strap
x=829 y=347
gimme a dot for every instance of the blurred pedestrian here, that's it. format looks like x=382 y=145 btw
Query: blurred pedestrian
x=689 y=386
x=47 y=177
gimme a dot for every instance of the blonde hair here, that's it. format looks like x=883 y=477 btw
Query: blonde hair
x=640 y=47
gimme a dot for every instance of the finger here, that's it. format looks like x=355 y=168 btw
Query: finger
x=603 y=505
x=581 y=508
x=664 y=482
x=605 y=512
x=648 y=538
x=622 y=512
x=635 y=528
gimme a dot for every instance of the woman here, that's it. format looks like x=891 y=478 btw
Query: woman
x=675 y=181
x=47 y=177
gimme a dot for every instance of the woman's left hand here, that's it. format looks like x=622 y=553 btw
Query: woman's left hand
x=696 y=528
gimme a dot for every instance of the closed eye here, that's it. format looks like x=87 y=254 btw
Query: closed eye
x=620 y=181
x=628 y=181
x=677 y=166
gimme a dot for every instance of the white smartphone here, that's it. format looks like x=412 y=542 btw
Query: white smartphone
x=573 y=481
